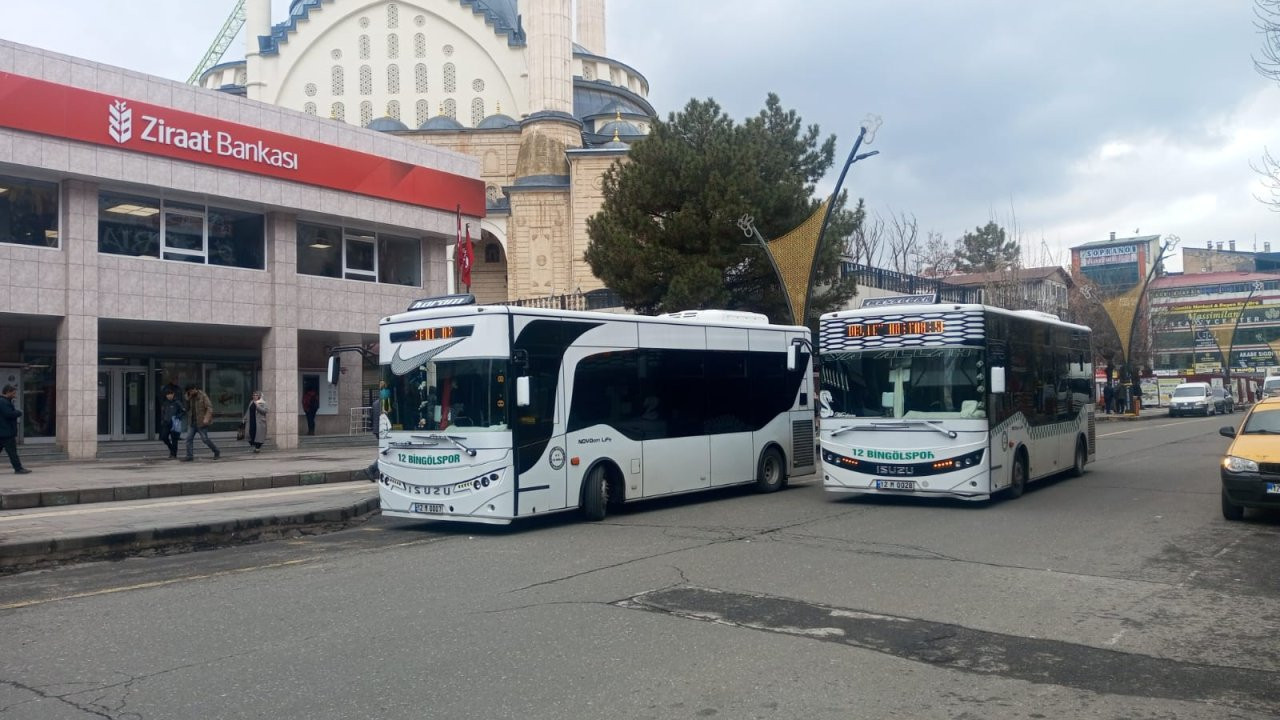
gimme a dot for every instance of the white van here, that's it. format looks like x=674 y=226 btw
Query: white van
x=1271 y=386
x=1191 y=399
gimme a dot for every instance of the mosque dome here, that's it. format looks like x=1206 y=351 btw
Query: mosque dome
x=495 y=122
x=621 y=129
x=387 y=124
x=441 y=122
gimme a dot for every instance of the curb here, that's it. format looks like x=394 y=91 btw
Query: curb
x=23 y=556
x=26 y=499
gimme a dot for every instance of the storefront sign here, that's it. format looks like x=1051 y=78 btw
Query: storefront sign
x=46 y=108
x=1109 y=255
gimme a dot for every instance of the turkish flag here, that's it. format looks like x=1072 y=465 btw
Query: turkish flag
x=466 y=259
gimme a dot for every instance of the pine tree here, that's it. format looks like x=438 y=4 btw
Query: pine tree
x=986 y=249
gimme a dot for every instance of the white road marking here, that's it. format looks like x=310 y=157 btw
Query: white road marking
x=97 y=508
x=1145 y=427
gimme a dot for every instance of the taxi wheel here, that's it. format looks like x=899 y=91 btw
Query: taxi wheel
x=1230 y=510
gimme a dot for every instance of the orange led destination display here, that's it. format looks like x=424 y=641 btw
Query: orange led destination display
x=431 y=333
x=889 y=329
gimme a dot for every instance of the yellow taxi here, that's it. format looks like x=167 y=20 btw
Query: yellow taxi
x=1251 y=470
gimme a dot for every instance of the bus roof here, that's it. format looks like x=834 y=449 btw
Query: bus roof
x=750 y=321
x=950 y=307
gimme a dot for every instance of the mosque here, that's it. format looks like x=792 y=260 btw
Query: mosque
x=545 y=110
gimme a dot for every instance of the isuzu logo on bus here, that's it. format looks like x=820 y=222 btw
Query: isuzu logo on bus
x=221 y=143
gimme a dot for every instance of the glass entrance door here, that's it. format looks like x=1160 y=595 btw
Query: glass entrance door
x=122 y=403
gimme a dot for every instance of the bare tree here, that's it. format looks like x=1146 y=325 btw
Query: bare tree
x=1267 y=19
x=904 y=241
x=866 y=244
x=937 y=258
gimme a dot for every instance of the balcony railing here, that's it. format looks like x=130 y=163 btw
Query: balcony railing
x=909 y=284
x=602 y=299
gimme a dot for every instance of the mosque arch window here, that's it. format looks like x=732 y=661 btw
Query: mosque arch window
x=364 y=22
x=419 y=20
x=419 y=45
x=310 y=89
x=423 y=111
x=450 y=78
x=336 y=77
x=420 y=78
x=588 y=71
x=309 y=108
x=447 y=50
x=492 y=253
x=366 y=113
x=449 y=108
x=477 y=85
x=242 y=76
x=393 y=79
x=338 y=111
x=477 y=111
x=393 y=46
x=393 y=109
x=364 y=46
x=336 y=54
x=393 y=15
x=366 y=80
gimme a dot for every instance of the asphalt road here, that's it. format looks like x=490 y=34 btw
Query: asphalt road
x=1122 y=594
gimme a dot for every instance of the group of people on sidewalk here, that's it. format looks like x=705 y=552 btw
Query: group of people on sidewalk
x=1121 y=397
x=196 y=416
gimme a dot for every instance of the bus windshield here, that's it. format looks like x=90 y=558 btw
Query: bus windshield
x=929 y=383
x=465 y=395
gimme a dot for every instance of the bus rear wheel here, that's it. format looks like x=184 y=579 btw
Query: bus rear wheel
x=771 y=474
x=1018 y=483
x=595 y=494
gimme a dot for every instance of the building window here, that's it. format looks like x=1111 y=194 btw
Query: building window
x=310 y=89
x=393 y=46
x=393 y=16
x=492 y=253
x=366 y=113
x=450 y=78
x=393 y=109
x=338 y=112
x=182 y=232
x=361 y=255
x=419 y=45
x=28 y=212
x=449 y=109
x=393 y=79
x=477 y=85
x=366 y=80
x=477 y=111
x=363 y=45
x=423 y=111
x=420 y=78
x=336 y=80
x=309 y=108
x=419 y=20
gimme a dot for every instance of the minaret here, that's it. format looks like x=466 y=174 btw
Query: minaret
x=257 y=21
x=540 y=231
x=591 y=26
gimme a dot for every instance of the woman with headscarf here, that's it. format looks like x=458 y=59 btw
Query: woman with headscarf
x=254 y=422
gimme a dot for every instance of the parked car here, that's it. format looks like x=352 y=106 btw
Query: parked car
x=1250 y=470
x=1191 y=399
x=1271 y=386
x=1222 y=401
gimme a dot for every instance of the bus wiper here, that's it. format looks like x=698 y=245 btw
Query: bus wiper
x=455 y=440
x=899 y=425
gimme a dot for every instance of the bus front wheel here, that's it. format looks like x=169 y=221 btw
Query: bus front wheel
x=771 y=474
x=1082 y=457
x=595 y=494
x=1018 y=483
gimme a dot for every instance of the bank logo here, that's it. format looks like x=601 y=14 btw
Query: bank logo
x=120 y=122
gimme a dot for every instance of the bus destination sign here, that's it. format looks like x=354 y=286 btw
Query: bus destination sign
x=446 y=332
x=890 y=329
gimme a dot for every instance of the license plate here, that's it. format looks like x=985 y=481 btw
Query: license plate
x=896 y=484
x=426 y=508
x=1273 y=488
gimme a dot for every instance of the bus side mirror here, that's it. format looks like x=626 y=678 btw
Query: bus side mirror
x=791 y=357
x=334 y=370
x=997 y=380
x=522 y=391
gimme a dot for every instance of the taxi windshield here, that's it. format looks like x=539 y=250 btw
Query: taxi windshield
x=1262 y=422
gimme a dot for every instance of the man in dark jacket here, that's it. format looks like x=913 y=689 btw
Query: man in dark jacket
x=9 y=427
x=172 y=412
x=199 y=418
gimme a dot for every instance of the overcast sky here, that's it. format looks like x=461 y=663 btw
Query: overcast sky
x=1079 y=118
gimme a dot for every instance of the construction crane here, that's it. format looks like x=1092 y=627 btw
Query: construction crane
x=229 y=30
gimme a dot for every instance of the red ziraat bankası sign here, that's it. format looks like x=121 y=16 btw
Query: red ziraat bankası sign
x=61 y=111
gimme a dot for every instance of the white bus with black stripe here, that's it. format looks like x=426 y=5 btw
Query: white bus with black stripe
x=493 y=413
x=948 y=400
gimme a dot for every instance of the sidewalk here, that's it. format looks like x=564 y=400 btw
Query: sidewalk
x=69 y=510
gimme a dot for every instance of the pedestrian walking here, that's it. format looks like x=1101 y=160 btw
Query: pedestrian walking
x=310 y=406
x=254 y=423
x=199 y=418
x=172 y=412
x=9 y=427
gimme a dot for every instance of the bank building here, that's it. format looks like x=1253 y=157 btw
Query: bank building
x=226 y=232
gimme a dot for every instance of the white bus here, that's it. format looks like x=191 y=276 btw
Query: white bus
x=492 y=413
x=959 y=401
